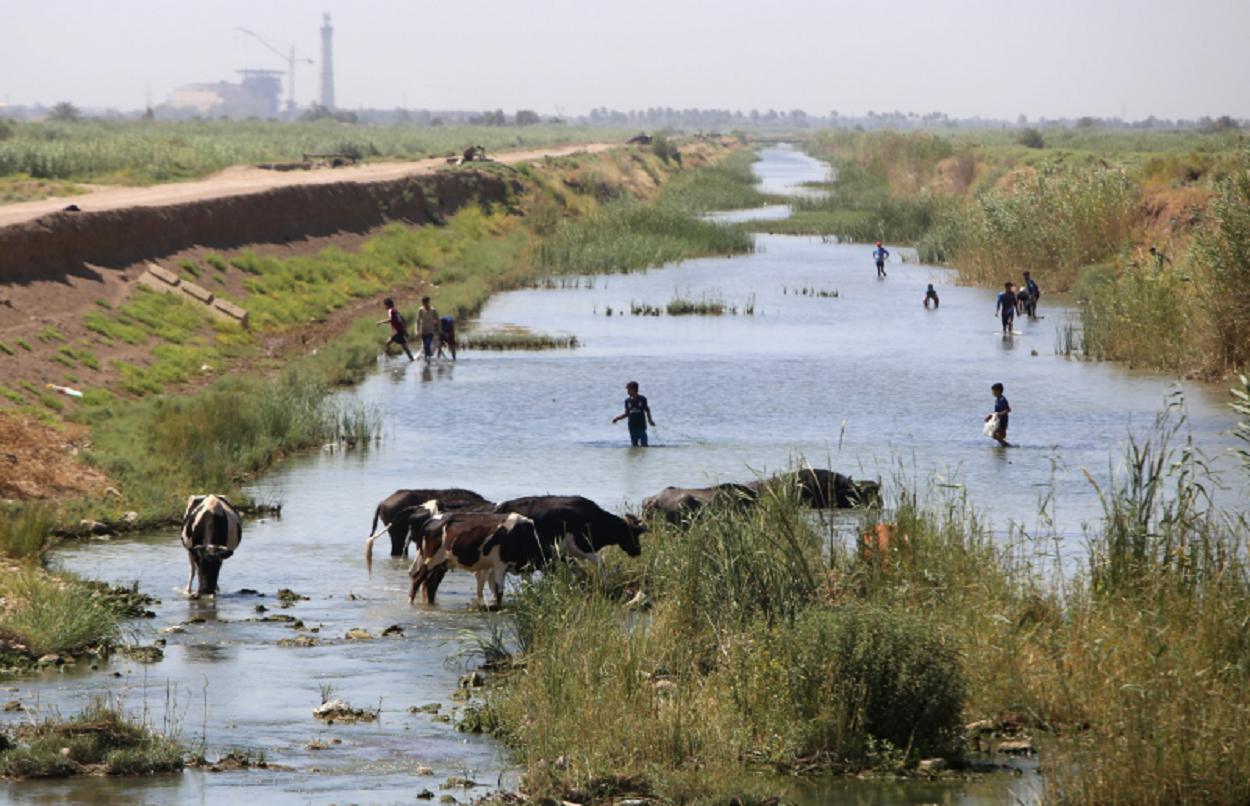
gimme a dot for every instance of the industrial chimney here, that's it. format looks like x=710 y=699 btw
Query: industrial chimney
x=327 y=64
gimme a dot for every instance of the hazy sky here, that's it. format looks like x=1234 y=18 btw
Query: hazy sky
x=995 y=58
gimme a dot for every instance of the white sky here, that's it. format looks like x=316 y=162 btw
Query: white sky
x=994 y=58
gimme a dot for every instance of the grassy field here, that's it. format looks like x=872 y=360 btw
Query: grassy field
x=747 y=641
x=145 y=152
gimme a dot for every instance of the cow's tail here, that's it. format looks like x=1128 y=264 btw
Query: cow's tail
x=377 y=513
x=369 y=544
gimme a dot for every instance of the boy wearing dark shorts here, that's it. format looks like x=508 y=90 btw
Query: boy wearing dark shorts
x=1003 y=409
x=399 y=328
x=639 y=414
x=447 y=336
x=1006 y=304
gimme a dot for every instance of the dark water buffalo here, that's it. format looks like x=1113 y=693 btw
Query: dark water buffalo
x=577 y=526
x=489 y=545
x=211 y=531
x=824 y=489
x=676 y=504
x=392 y=512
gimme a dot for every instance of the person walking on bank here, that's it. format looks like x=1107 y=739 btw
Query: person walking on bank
x=427 y=326
x=399 y=329
x=880 y=255
x=639 y=414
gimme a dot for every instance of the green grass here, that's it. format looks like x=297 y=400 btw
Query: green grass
x=626 y=235
x=100 y=739
x=191 y=268
x=24 y=528
x=54 y=615
x=7 y=349
x=514 y=341
x=22 y=188
x=143 y=152
x=728 y=185
x=12 y=397
x=25 y=345
x=48 y=334
x=161 y=449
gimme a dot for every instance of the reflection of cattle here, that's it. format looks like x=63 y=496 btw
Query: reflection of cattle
x=676 y=504
x=211 y=531
x=394 y=510
x=824 y=489
x=577 y=526
x=490 y=545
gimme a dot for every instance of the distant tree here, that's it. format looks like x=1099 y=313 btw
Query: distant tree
x=7 y=129
x=1224 y=123
x=64 y=111
x=526 y=117
x=1022 y=121
x=402 y=116
x=436 y=121
x=318 y=112
x=1087 y=123
x=1031 y=138
x=148 y=114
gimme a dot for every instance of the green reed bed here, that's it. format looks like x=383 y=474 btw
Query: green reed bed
x=626 y=235
x=100 y=740
x=143 y=152
x=507 y=340
x=160 y=449
x=728 y=185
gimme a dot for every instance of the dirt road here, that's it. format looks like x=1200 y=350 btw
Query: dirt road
x=244 y=180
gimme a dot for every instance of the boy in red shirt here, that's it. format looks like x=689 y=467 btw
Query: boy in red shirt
x=399 y=328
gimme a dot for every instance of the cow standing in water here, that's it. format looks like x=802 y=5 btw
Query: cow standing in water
x=489 y=545
x=211 y=531
x=393 y=511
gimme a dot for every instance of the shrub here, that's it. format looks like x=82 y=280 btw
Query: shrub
x=1031 y=138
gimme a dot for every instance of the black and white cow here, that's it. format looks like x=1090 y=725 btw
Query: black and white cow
x=577 y=526
x=490 y=545
x=391 y=511
x=211 y=531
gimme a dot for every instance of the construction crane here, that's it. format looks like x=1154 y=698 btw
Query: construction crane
x=291 y=59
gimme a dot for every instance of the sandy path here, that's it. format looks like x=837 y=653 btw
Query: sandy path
x=246 y=179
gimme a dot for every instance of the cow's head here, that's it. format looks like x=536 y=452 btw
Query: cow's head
x=209 y=559
x=630 y=544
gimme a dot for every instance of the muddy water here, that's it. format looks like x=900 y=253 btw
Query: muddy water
x=868 y=382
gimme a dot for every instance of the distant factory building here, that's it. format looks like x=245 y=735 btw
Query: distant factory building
x=255 y=96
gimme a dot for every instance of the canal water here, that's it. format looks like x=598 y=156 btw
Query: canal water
x=819 y=361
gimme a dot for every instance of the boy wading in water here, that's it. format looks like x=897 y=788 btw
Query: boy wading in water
x=931 y=296
x=880 y=255
x=399 y=329
x=428 y=327
x=639 y=414
x=1007 y=304
x=1002 y=408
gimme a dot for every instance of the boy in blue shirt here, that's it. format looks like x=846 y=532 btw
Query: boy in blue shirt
x=639 y=414
x=1002 y=408
x=1007 y=304
x=879 y=255
x=930 y=294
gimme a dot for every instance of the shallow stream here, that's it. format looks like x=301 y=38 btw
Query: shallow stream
x=868 y=382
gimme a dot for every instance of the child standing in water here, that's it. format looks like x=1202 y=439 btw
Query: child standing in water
x=931 y=295
x=1002 y=408
x=639 y=414
x=1007 y=304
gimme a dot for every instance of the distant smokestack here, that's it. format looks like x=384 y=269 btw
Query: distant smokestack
x=327 y=64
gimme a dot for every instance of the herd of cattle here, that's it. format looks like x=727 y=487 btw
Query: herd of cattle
x=455 y=528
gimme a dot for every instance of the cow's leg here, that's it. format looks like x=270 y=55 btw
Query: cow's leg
x=500 y=573
x=191 y=578
x=432 y=581
x=481 y=583
x=417 y=579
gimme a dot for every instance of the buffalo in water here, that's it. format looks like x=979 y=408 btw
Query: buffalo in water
x=676 y=504
x=211 y=531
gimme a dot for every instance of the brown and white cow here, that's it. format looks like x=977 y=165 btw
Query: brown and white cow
x=488 y=544
x=577 y=526
x=211 y=531
x=392 y=510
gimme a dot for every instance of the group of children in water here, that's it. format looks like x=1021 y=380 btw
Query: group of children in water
x=1010 y=302
x=437 y=333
